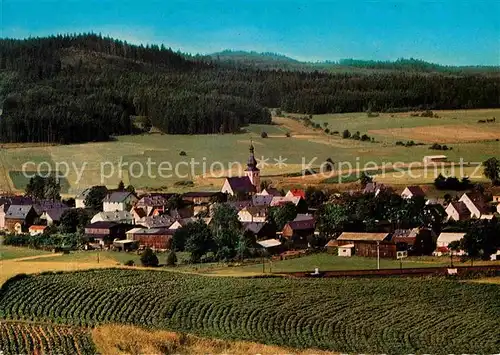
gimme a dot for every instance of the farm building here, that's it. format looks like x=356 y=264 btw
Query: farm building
x=432 y=159
x=367 y=244
x=412 y=191
x=444 y=239
x=332 y=246
x=53 y=215
x=457 y=211
x=163 y=221
x=104 y=233
x=156 y=238
x=346 y=250
x=297 y=231
x=272 y=246
x=125 y=245
x=117 y=217
x=19 y=217
x=261 y=230
x=476 y=204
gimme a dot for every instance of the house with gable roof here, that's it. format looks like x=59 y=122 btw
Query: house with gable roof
x=119 y=201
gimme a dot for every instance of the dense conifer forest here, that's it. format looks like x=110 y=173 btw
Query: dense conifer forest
x=79 y=88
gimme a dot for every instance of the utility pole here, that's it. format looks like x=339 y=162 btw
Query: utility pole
x=378 y=255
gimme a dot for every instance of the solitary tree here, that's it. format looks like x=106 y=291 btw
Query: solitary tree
x=454 y=247
x=95 y=197
x=332 y=219
x=200 y=240
x=121 y=186
x=171 y=259
x=492 y=170
x=149 y=258
x=282 y=215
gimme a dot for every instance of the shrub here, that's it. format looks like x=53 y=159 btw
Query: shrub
x=187 y=183
x=182 y=153
x=346 y=134
x=356 y=136
x=171 y=259
x=263 y=135
x=129 y=263
x=287 y=134
x=427 y=113
x=335 y=132
x=365 y=137
x=148 y=258
x=327 y=130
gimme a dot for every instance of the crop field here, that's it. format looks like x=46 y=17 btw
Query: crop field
x=346 y=315
x=126 y=158
x=27 y=338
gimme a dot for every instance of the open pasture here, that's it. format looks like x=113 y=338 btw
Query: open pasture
x=208 y=157
x=345 y=315
x=10 y=252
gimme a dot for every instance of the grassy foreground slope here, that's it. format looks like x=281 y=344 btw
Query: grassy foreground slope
x=347 y=315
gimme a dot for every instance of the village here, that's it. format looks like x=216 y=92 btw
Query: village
x=274 y=222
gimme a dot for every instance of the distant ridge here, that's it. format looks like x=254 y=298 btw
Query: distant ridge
x=271 y=60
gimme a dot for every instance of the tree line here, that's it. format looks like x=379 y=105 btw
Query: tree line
x=79 y=88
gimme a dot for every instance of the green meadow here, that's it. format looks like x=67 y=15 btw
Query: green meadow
x=127 y=157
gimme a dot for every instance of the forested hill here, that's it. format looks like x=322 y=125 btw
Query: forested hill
x=78 y=88
x=267 y=60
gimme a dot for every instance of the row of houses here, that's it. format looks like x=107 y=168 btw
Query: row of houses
x=386 y=245
x=18 y=214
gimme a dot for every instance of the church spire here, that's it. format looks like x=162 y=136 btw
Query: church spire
x=252 y=163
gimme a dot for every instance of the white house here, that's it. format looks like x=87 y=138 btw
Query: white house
x=475 y=203
x=119 y=201
x=412 y=191
x=444 y=240
x=457 y=211
x=80 y=198
x=253 y=214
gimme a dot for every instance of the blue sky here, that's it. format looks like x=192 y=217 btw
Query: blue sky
x=449 y=32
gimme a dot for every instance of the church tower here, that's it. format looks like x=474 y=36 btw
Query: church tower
x=252 y=172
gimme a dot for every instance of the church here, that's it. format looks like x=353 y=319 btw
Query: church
x=244 y=185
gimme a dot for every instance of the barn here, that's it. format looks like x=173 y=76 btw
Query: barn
x=367 y=244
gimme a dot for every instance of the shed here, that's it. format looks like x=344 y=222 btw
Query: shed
x=346 y=250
